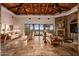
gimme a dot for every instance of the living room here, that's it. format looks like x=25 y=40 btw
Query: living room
x=59 y=30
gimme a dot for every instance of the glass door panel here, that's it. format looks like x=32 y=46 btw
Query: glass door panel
x=31 y=28
x=27 y=29
x=41 y=29
x=51 y=29
x=37 y=29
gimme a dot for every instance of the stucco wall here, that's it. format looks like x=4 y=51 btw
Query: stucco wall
x=6 y=18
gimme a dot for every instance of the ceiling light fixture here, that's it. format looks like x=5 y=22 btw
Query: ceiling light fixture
x=29 y=18
x=39 y=18
x=48 y=18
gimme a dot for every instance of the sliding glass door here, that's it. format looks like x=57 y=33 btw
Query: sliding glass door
x=38 y=29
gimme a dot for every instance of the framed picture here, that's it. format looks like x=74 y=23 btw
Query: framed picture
x=60 y=22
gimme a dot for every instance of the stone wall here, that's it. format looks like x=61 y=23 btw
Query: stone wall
x=6 y=19
x=60 y=23
x=78 y=29
x=70 y=18
x=0 y=17
x=67 y=21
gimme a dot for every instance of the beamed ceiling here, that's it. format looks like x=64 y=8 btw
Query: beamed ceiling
x=38 y=8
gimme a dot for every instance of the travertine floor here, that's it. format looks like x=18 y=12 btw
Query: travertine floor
x=34 y=47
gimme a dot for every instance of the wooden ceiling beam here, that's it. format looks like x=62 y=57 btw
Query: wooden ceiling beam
x=25 y=11
x=17 y=12
x=31 y=7
x=57 y=6
x=15 y=6
x=18 y=8
x=24 y=7
x=65 y=7
x=46 y=8
x=39 y=9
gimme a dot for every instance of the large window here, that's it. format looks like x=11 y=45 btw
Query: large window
x=51 y=27
x=41 y=27
x=31 y=27
x=27 y=29
x=36 y=26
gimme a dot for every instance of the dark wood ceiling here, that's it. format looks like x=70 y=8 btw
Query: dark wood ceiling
x=38 y=8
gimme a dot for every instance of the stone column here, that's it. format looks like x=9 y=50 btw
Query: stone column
x=78 y=29
x=0 y=28
x=0 y=17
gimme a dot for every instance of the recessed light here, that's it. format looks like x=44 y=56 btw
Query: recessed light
x=29 y=18
x=39 y=18
x=48 y=18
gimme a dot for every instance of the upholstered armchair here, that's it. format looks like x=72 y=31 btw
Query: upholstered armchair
x=55 y=40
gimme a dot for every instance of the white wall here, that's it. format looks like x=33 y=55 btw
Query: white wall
x=10 y=19
x=34 y=20
x=6 y=18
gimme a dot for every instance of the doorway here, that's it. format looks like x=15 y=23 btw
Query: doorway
x=38 y=29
